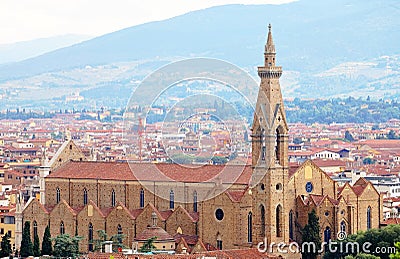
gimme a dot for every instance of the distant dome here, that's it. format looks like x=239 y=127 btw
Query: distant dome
x=149 y=232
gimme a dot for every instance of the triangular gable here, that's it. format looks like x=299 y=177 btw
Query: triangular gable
x=309 y=162
x=150 y=207
x=95 y=209
x=68 y=151
x=361 y=181
x=34 y=202
x=120 y=207
x=369 y=186
x=66 y=206
x=180 y=209
x=199 y=247
x=180 y=245
x=346 y=187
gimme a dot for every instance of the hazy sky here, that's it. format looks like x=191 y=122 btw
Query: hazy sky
x=22 y=20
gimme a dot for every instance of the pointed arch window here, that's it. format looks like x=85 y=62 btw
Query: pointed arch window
x=219 y=242
x=171 y=199
x=250 y=227
x=85 y=196
x=263 y=149
x=343 y=226
x=35 y=232
x=90 y=236
x=369 y=217
x=113 y=201
x=141 y=198
x=278 y=145
x=327 y=234
x=119 y=230
x=278 y=221
x=62 y=229
x=262 y=219
x=58 y=195
x=195 y=201
x=291 y=234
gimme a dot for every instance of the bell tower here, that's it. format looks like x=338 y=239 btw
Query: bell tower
x=270 y=154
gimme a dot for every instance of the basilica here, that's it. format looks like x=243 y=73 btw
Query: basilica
x=269 y=199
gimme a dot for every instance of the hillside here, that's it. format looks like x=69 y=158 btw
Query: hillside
x=317 y=42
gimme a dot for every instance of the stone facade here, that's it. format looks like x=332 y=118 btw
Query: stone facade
x=270 y=199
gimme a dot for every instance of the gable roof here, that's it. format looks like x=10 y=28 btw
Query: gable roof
x=239 y=174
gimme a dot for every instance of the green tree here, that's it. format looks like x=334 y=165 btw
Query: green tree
x=376 y=238
x=361 y=256
x=368 y=161
x=36 y=245
x=218 y=160
x=348 y=136
x=5 y=246
x=66 y=246
x=103 y=236
x=391 y=135
x=297 y=141
x=47 y=248
x=397 y=254
x=310 y=234
x=26 y=242
x=148 y=246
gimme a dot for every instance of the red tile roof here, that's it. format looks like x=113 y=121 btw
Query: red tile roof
x=158 y=232
x=153 y=172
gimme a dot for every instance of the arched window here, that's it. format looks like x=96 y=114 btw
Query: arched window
x=343 y=226
x=90 y=237
x=35 y=233
x=119 y=230
x=58 y=195
x=262 y=219
x=62 y=230
x=278 y=145
x=291 y=234
x=263 y=149
x=369 y=217
x=327 y=234
x=195 y=201
x=112 y=198
x=278 y=221
x=85 y=197
x=141 y=198
x=250 y=227
x=171 y=199
x=219 y=242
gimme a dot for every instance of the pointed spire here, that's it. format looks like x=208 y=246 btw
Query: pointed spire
x=270 y=47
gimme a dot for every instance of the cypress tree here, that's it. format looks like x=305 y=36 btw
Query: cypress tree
x=47 y=248
x=5 y=246
x=26 y=243
x=311 y=235
x=36 y=245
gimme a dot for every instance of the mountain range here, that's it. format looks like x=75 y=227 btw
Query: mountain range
x=14 y=52
x=327 y=48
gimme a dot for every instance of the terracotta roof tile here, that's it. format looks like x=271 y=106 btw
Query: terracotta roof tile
x=189 y=239
x=153 y=172
x=158 y=232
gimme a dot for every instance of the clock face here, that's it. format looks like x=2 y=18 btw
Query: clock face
x=309 y=187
